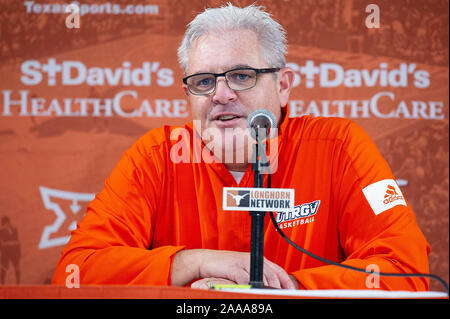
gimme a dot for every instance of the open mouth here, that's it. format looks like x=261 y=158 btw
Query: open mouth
x=225 y=118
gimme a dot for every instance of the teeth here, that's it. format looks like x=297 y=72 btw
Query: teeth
x=226 y=117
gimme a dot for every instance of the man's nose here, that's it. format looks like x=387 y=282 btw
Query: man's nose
x=223 y=94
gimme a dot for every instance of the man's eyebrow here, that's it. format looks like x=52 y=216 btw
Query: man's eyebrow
x=236 y=66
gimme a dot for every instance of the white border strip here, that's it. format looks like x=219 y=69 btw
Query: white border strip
x=342 y=293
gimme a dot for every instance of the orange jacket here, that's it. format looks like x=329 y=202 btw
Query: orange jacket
x=150 y=208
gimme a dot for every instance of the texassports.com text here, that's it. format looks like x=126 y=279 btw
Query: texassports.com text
x=32 y=7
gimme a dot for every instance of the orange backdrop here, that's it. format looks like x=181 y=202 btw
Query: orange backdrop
x=72 y=100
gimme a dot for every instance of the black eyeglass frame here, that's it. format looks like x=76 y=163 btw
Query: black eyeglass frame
x=216 y=75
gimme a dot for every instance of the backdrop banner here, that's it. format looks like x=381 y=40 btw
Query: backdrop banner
x=81 y=81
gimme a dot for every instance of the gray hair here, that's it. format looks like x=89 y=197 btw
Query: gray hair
x=271 y=35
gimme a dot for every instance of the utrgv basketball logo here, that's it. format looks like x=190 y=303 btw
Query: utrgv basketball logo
x=301 y=215
x=67 y=207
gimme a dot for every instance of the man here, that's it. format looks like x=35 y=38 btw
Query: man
x=159 y=221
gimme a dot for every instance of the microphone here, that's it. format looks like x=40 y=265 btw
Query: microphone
x=261 y=119
x=259 y=122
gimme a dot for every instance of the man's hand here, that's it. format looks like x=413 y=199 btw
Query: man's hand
x=230 y=265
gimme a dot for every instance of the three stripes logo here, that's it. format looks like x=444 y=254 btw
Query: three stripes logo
x=391 y=195
x=383 y=195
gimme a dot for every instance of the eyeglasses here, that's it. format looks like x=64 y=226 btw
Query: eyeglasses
x=238 y=79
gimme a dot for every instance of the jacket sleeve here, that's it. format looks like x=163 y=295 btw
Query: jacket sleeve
x=373 y=235
x=111 y=243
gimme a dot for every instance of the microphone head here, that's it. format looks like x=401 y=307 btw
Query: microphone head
x=261 y=119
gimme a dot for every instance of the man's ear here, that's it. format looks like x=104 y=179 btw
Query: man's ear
x=285 y=80
x=185 y=89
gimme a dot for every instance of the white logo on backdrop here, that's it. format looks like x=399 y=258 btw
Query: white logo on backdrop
x=127 y=77
x=47 y=194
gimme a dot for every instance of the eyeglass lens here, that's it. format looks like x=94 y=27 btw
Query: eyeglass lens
x=236 y=80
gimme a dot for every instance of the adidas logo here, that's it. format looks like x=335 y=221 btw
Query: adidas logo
x=391 y=195
x=383 y=195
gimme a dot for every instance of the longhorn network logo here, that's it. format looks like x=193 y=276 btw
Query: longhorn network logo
x=258 y=199
x=240 y=198
x=67 y=207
